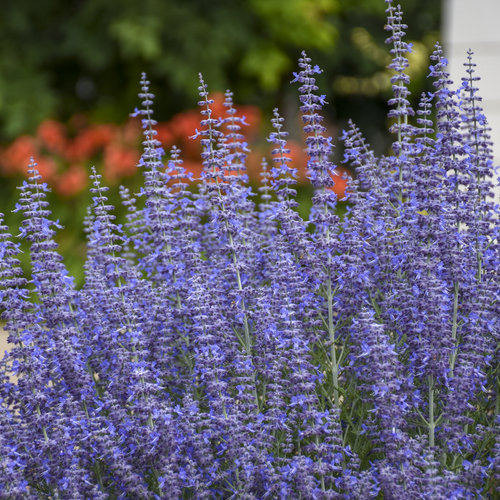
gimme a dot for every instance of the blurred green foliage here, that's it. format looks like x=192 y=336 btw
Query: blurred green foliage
x=61 y=57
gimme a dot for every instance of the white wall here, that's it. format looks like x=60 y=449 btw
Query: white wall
x=475 y=24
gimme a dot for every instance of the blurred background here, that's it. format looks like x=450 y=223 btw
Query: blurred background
x=70 y=71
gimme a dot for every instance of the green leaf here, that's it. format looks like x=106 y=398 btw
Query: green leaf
x=138 y=37
x=267 y=63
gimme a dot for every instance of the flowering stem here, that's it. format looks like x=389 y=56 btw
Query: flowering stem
x=247 y=342
x=454 y=325
x=478 y=175
x=128 y=325
x=331 y=327
x=431 y=423
x=333 y=348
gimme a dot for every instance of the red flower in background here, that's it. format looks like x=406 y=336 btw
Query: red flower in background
x=131 y=132
x=47 y=168
x=64 y=152
x=182 y=126
x=60 y=157
x=72 y=181
x=89 y=141
x=119 y=162
x=340 y=178
x=165 y=134
x=16 y=156
x=53 y=135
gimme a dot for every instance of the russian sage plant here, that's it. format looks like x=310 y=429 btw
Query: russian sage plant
x=223 y=347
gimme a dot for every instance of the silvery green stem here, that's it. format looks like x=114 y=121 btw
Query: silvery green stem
x=431 y=422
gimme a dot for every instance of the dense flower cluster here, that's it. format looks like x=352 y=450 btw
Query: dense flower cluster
x=224 y=349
